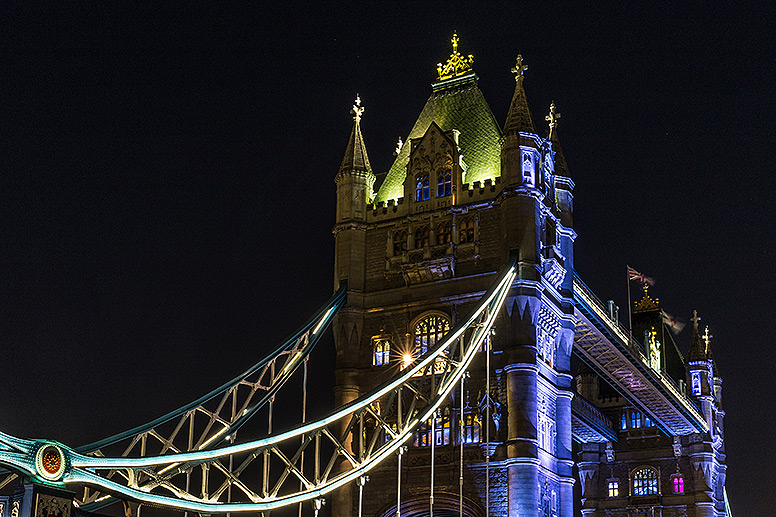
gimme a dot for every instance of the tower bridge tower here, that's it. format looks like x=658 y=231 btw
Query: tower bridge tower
x=418 y=245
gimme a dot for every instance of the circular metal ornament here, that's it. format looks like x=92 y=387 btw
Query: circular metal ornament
x=50 y=462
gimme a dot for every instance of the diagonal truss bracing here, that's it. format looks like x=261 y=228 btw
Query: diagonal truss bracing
x=284 y=468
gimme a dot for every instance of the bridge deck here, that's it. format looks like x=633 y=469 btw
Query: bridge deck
x=607 y=348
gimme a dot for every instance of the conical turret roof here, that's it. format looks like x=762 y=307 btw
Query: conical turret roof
x=355 y=158
x=519 y=116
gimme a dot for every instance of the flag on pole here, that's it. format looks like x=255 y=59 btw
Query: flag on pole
x=674 y=324
x=639 y=277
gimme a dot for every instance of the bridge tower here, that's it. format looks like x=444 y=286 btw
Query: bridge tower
x=418 y=245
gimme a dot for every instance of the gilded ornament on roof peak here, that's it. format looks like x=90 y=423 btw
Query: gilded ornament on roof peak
x=457 y=65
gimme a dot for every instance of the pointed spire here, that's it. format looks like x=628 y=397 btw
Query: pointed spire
x=356 y=158
x=697 y=346
x=561 y=168
x=709 y=355
x=519 y=116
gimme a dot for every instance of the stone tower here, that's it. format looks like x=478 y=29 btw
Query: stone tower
x=418 y=245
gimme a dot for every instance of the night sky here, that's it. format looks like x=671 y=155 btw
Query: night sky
x=167 y=185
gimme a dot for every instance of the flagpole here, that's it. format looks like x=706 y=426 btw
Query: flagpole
x=630 y=321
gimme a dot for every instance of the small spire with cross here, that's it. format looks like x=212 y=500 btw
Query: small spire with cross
x=519 y=69
x=552 y=118
x=357 y=110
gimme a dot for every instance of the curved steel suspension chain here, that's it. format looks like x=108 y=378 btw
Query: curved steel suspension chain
x=208 y=421
x=270 y=473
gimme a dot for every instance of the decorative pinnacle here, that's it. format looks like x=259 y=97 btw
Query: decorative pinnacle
x=455 y=43
x=552 y=118
x=399 y=145
x=519 y=69
x=457 y=65
x=695 y=319
x=357 y=110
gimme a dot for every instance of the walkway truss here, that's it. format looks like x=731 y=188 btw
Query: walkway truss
x=191 y=460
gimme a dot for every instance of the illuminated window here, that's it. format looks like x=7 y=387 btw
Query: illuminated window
x=696 y=383
x=678 y=485
x=645 y=482
x=399 y=242
x=635 y=420
x=614 y=489
x=471 y=428
x=444 y=183
x=421 y=187
x=421 y=237
x=442 y=426
x=381 y=351
x=648 y=422
x=528 y=167
x=428 y=331
x=444 y=233
x=466 y=231
x=624 y=421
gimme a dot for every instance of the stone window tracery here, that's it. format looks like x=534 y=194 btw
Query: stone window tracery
x=427 y=331
x=444 y=183
x=421 y=187
x=399 y=242
x=421 y=237
x=545 y=423
x=444 y=232
x=466 y=231
x=644 y=482
x=381 y=351
x=614 y=488
x=678 y=482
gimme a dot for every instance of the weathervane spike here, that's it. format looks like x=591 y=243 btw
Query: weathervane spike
x=357 y=110
x=455 y=43
x=707 y=338
x=695 y=319
x=552 y=118
x=519 y=69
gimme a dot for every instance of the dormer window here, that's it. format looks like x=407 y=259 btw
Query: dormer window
x=444 y=183
x=421 y=187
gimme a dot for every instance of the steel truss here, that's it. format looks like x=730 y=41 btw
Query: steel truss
x=274 y=471
x=202 y=424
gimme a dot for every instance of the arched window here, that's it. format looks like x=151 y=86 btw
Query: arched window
x=678 y=485
x=421 y=187
x=421 y=237
x=648 y=422
x=381 y=351
x=624 y=421
x=427 y=331
x=444 y=233
x=399 y=242
x=444 y=183
x=471 y=427
x=635 y=420
x=645 y=481
x=466 y=231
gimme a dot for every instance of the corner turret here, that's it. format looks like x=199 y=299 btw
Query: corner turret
x=521 y=158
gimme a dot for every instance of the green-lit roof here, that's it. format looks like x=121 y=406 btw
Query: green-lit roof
x=461 y=107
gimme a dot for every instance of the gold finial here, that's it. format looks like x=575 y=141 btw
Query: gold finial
x=707 y=338
x=552 y=118
x=646 y=303
x=519 y=69
x=695 y=319
x=357 y=110
x=457 y=65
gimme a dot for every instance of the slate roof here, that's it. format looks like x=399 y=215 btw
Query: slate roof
x=697 y=350
x=462 y=107
x=519 y=116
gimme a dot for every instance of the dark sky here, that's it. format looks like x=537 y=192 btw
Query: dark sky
x=167 y=193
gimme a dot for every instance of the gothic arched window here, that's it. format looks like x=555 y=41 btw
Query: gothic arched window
x=381 y=351
x=421 y=237
x=471 y=427
x=444 y=233
x=399 y=242
x=678 y=485
x=442 y=426
x=635 y=420
x=466 y=231
x=427 y=331
x=644 y=481
x=421 y=187
x=444 y=183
